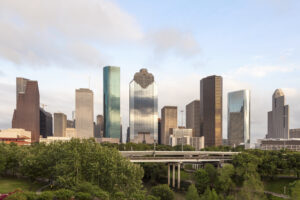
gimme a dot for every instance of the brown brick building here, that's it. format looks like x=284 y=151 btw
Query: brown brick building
x=27 y=112
x=168 y=121
x=211 y=93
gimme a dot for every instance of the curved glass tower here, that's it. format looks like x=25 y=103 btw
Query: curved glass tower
x=111 y=102
x=239 y=118
x=143 y=114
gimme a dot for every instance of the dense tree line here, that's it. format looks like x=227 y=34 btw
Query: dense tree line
x=68 y=165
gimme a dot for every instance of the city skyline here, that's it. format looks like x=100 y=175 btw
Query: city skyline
x=270 y=61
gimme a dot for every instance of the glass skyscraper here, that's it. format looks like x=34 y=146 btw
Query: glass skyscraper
x=143 y=113
x=239 y=118
x=111 y=102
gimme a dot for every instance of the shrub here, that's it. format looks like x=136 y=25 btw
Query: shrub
x=83 y=196
x=48 y=195
x=163 y=192
x=63 y=194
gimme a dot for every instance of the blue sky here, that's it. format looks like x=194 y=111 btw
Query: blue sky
x=62 y=44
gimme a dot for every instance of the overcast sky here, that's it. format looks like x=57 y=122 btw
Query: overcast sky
x=63 y=44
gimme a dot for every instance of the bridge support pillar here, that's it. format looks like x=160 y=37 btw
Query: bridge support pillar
x=169 y=174
x=174 y=175
x=178 y=179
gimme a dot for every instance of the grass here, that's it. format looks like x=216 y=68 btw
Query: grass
x=277 y=185
x=11 y=184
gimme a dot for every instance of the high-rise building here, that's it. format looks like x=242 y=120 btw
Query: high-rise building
x=211 y=92
x=143 y=111
x=45 y=123
x=294 y=133
x=159 y=131
x=84 y=113
x=27 y=113
x=193 y=117
x=60 y=125
x=99 y=127
x=278 y=118
x=70 y=124
x=168 y=121
x=111 y=101
x=238 y=118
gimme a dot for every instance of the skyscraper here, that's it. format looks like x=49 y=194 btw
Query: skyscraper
x=60 y=124
x=84 y=113
x=99 y=127
x=211 y=91
x=238 y=118
x=143 y=112
x=193 y=117
x=278 y=118
x=111 y=101
x=168 y=121
x=27 y=112
x=45 y=123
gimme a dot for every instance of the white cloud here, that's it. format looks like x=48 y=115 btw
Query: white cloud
x=260 y=71
x=37 y=32
x=174 y=41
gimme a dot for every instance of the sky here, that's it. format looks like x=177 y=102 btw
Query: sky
x=252 y=44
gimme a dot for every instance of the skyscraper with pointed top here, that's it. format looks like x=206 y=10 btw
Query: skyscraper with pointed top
x=278 y=118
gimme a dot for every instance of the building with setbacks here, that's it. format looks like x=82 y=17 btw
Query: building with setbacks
x=27 y=113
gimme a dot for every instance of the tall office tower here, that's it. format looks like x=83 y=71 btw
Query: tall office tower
x=99 y=127
x=211 y=91
x=45 y=123
x=193 y=117
x=84 y=113
x=278 y=118
x=60 y=124
x=27 y=112
x=158 y=131
x=143 y=111
x=111 y=101
x=168 y=121
x=70 y=124
x=238 y=118
x=128 y=135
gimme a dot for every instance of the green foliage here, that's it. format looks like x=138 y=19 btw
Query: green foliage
x=212 y=174
x=295 y=191
x=209 y=195
x=151 y=197
x=192 y=193
x=252 y=189
x=184 y=147
x=202 y=179
x=154 y=172
x=83 y=196
x=17 y=196
x=64 y=194
x=225 y=183
x=163 y=192
x=47 y=195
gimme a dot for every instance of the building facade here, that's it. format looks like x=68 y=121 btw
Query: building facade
x=184 y=136
x=295 y=133
x=238 y=118
x=111 y=102
x=168 y=121
x=46 y=123
x=84 y=113
x=193 y=117
x=60 y=125
x=143 y=111
x=211 y=94
x=27 y=113
x=98 y=132
x=278 y=118
x=15 y=135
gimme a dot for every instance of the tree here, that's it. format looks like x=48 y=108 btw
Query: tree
x=209 y=195
x=163 y=192
x=295 y=190
x=225 y=182
x=252 y=189
x=202 y=179
x=212 y=174
x=192 y=193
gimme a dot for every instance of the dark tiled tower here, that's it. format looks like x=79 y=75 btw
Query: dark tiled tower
x=27 y=113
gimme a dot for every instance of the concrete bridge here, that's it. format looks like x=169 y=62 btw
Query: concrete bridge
x=177 y=158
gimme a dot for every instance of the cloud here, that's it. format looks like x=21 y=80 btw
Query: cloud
x=61 y=32
x=174 y=41
x=260 y=71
